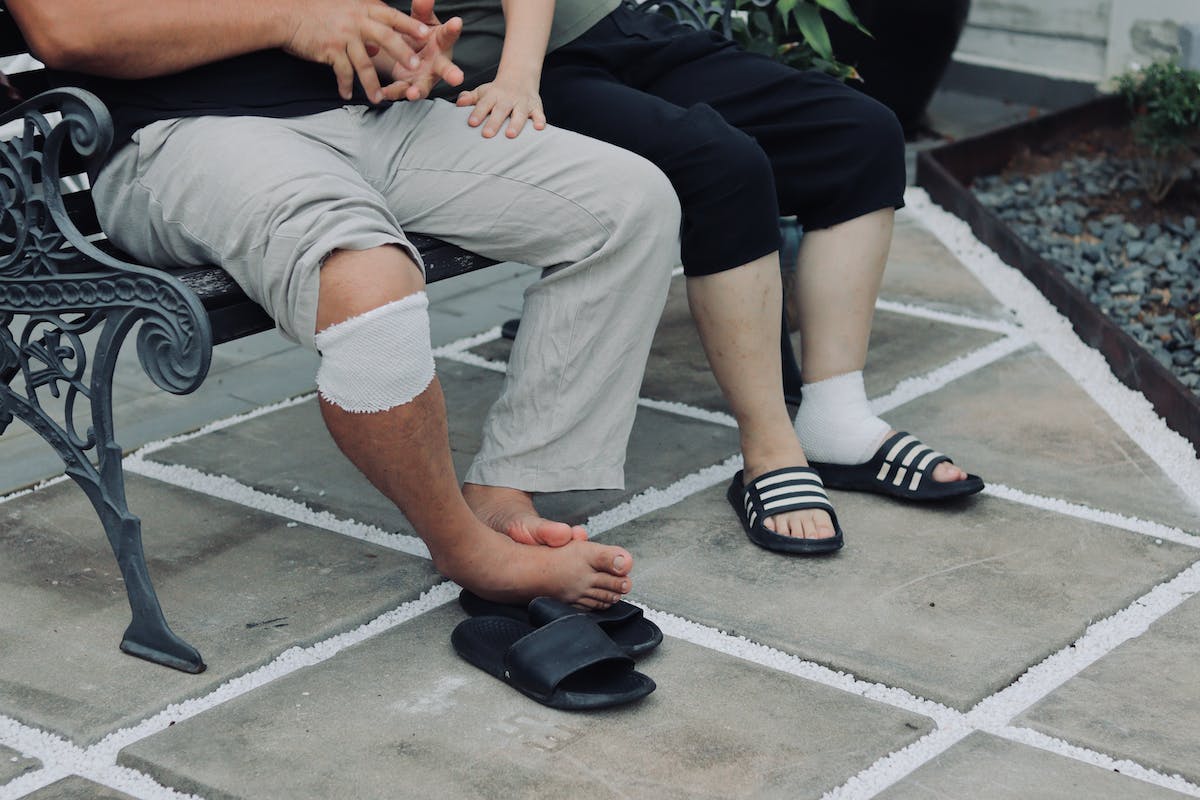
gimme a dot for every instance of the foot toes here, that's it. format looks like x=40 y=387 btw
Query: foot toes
x=554 y=534
x=608 y=559
x=947 y=472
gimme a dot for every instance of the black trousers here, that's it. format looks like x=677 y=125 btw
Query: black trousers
x=743 y=138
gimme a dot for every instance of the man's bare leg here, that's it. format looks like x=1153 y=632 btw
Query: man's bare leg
x=839 y=273
x=405 y=453
x=737 y=315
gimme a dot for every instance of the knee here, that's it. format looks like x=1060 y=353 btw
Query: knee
x=730 y=163
x=378 y=360
x=354 y=282
x=648 y=193
x=876 y=135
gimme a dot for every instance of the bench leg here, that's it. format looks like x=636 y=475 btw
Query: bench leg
x=789 y=255
x=148 y=635
x=51 y=355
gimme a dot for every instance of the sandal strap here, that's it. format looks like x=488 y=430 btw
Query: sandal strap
x=541 y=660
x=907 y=461
x=784 y=490
x=543 y=610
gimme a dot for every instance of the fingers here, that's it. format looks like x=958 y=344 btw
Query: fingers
x=415 y=77
x=392 y=43
x=495 y=120
x=483 y=108
x=397 y=90
x=422 y=10
x=400 y=22
x=365 y=69
x=446 y=36
x=344 y=71
x=492 y=111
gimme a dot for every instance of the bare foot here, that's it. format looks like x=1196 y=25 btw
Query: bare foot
x=511 y=512
x=811 y=523
x=493 y=566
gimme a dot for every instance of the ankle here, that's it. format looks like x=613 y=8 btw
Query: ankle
x=758 y=458
x=835 y=422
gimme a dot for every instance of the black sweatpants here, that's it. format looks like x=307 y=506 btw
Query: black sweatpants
x=743 y=138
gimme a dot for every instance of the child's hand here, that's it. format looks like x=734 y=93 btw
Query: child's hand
x=497 y=101
x=431 y=63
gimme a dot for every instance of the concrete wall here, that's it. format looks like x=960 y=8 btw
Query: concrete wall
x=1082 y=40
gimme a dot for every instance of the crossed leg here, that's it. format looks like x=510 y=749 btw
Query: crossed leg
x=405 y=453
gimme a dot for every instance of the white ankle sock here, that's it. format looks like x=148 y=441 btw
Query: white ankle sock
x=835 y=423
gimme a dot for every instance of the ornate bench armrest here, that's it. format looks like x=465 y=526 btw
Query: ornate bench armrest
x=704 y=14
x=50 y=271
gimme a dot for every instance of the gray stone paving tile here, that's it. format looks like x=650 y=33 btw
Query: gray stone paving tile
x=76 y=788
x=1023 y=422
x=901 y=346
x=262 y=372
x=951 y=603
x=237 y=583
x=13 y=765
x=289 y=453
x=1139 y=702
x=402 y=716
x=987 y=766
x=266 y=380
x=904 y=346
x=921 y=271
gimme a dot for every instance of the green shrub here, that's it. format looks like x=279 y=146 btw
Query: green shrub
x=1165 y=102
x=790 y=31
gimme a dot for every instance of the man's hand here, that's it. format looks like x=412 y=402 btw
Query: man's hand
x=498 y=101
x=434 y=57
x=345 y=33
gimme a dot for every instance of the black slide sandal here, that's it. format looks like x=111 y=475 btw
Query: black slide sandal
x=623 y=622
x=902 y=467
x=569 y=664
x=778 y=492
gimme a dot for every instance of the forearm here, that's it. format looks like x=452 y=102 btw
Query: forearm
x=144 y=38
x=526 y=34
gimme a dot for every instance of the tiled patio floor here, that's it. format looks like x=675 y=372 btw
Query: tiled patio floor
x=1037 y=640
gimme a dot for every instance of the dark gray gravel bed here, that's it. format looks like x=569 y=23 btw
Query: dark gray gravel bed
x=1145 y=277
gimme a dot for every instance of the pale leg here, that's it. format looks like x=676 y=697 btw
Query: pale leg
x=737 y=315
x=839 y=273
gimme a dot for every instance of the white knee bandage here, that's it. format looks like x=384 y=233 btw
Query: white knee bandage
x=379 y=360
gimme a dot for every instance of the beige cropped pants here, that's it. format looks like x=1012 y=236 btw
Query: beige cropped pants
x=269 y=199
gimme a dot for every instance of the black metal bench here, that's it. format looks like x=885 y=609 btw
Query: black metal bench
x=61 y=282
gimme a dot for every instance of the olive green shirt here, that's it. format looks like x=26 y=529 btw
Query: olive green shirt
x=478 y=50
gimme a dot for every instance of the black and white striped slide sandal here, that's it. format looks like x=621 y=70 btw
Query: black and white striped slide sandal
x=902 y=467
x=778 y=492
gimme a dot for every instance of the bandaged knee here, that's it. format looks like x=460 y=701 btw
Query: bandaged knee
x=378 y=360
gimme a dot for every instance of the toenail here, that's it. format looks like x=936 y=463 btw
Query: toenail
x=618 y=562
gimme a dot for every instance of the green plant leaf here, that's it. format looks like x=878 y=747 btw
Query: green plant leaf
x=812 y=28
x=842 y=9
